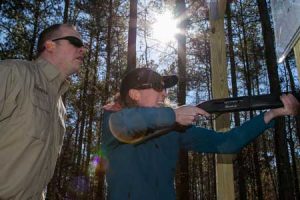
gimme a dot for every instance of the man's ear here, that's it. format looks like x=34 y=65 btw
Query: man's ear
x=49 y=45
x=134 y=94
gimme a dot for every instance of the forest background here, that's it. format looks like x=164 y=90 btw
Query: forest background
x=266 y=169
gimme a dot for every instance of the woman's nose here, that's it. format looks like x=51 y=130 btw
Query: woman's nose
x=164 y=92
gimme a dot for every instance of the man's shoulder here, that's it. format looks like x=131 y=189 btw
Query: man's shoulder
x=15 y=62
x=17 y=66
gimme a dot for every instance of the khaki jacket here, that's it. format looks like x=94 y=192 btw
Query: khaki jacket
x=31 y=126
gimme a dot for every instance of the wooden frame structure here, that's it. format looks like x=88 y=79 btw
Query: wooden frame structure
x=297 y=56
x=224 y=166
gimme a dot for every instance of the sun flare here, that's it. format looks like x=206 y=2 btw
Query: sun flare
x=165 y=27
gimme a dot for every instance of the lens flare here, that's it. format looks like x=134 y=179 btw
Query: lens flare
x=78 y=186
x=98 y=163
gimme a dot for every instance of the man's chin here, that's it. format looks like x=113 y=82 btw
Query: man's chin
x=73 y=70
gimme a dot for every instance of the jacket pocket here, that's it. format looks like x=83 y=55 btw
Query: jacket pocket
x=41 y=115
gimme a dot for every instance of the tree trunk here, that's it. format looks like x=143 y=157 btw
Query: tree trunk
x=82 y=121
x=108 y=51
x=35 y=28
x=294 y=159
x=257 y=170
x=66 y=11
x=131 y=54
x=182 y=180
x=268 y=163
x=239 y=161
x=286 y=190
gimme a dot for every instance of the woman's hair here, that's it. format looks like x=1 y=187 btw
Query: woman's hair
x=128 y=102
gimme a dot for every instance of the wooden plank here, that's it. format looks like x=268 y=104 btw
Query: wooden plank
x=224 y=177
x=217 y=9
x=224 y=168
x=297 y=56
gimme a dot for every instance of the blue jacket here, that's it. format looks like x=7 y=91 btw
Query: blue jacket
x=146 y=170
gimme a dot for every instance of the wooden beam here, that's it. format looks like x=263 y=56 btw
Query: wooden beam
x=217 y=9
x=224 y=168
x=297 y=56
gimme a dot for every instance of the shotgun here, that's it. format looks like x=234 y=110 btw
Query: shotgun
x=244 y=103
x=225 y=105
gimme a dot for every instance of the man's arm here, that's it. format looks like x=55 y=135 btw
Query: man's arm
x=10 y=86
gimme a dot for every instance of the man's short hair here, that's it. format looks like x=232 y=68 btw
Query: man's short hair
x=49 y=33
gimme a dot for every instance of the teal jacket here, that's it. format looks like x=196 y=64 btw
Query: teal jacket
x=146 y=170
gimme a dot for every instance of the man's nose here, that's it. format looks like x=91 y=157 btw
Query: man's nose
x=83 y=50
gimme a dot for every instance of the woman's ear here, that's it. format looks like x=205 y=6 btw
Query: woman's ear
x=134 y=94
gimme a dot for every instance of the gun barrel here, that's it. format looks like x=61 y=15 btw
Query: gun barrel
x=244 y=103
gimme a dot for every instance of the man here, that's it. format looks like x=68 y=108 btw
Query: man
x=142 y=164
x=32 y=112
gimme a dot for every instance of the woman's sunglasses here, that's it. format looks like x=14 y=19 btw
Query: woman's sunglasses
x=159 y=87
x=73 y=40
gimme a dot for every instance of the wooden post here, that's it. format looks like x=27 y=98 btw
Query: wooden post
x=224 y=168
x=297 y=56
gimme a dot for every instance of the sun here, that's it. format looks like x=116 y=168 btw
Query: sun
x=164 y=28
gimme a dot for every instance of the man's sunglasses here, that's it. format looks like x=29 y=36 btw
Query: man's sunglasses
x=159 y=87
x=73 y=40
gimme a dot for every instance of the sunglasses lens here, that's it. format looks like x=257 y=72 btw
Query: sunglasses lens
x=158 y=87
x=75 y=41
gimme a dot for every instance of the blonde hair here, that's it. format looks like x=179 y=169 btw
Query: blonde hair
x=128 y=102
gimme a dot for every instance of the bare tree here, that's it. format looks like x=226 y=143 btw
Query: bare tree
x=286 y=188
x=131 y=55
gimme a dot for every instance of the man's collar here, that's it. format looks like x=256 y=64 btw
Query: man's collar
x=53 y=74
x=49 y=70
